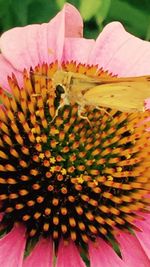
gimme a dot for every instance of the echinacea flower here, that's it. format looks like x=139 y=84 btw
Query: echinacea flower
x=71 y=191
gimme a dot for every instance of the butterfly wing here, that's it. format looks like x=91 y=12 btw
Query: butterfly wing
x=124 y=96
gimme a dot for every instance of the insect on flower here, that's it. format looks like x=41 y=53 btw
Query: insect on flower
x=73 y=194
x=124 y=94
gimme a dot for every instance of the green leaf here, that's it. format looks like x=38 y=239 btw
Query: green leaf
x=89 y=8
x=60 y=3
x=102 y=11
x=91 y=29
x=6 y=22
x=147 y=36
x=4 y=7
x=41 y=11
x=20 y=10
x=134 y=19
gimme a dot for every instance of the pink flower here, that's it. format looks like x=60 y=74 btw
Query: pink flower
x=56 y=199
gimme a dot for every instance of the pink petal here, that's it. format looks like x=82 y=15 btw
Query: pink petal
x=144 y=235
x=35 y=44
x=147 y=104
x=6 y=69
x=120 y=52
x=102 y=255
x=73 y=21
x=41 y=256
x=12 y=248
x=131 y=250
x=77 y=49
x=68 y=256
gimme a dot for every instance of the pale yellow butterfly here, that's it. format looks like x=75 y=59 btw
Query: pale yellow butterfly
x=124 y=94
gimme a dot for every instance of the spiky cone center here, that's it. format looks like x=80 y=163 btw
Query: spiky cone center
x=63 y=177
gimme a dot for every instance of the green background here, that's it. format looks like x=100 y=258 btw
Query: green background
x=133 y=14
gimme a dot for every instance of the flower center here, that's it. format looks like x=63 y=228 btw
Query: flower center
x=62 y=176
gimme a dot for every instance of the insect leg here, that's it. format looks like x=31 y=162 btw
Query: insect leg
x=67 y=80
x=105 y=111
x=56 y=113
x=80 y=111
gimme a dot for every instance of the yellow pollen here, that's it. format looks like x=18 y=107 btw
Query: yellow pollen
x=52 y=169
x=41 y=156
x=38 y=139
x=63 y=171
x=52 y=160
x=119 y=169
x=110 y=178
x=33 y=130
x=80 y=179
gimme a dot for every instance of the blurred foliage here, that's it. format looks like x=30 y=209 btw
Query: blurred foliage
x=133 y=14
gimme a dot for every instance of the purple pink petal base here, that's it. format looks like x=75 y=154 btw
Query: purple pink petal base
x=12 y=248
x=41 y=256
